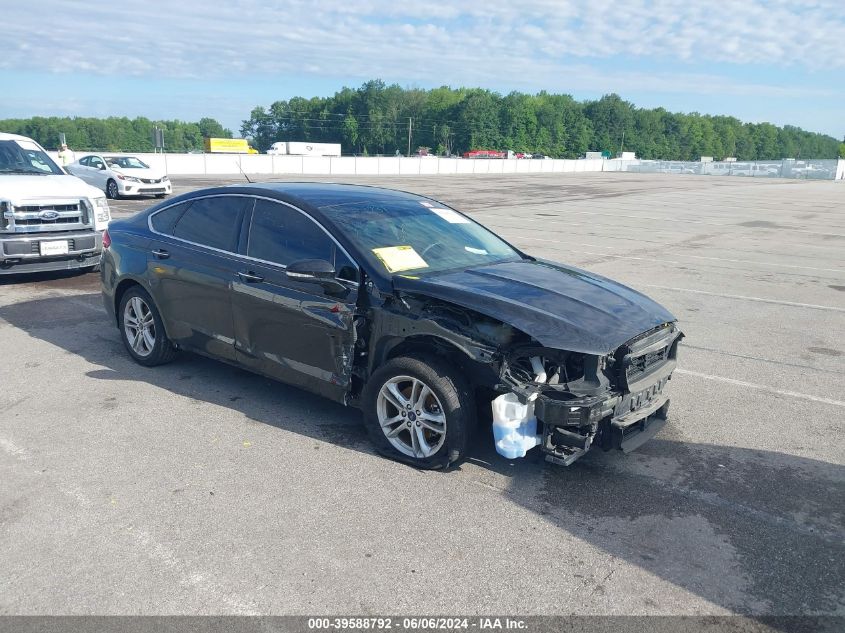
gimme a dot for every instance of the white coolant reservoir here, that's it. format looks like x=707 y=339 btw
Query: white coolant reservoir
x=514 y=426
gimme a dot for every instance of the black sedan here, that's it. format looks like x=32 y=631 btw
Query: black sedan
x=399 y=305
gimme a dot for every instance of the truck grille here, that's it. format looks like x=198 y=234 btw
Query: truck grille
x=43 y=222
x=37 y=208
x=46 y=217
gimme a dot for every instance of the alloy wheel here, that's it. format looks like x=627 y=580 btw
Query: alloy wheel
x=411 y=416
x=139 y=326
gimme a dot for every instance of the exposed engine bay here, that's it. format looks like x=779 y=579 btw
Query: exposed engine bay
x=563 y=401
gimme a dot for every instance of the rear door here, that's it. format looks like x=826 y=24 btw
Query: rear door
x=192 y=263
x=295 y=331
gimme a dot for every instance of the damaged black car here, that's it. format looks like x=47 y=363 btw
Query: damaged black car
x=399 y=305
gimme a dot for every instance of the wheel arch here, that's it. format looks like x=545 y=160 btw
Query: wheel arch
x=122 y=287
x=478 y=373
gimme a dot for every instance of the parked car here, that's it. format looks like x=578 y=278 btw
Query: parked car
x=121 y=175
x=48 y=219
x=399 y=305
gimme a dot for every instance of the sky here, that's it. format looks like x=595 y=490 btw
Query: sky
x=759 y=60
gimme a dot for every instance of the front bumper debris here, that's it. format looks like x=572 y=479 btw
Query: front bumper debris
x=623 y=419
x=569 y=436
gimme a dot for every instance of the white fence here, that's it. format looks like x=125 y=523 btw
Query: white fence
x=258 y=164
x=263 y=164
x=803 y=169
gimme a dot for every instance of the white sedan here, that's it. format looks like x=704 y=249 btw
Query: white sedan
x=121 y=175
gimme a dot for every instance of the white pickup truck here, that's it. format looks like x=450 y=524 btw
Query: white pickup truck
x=49 y=220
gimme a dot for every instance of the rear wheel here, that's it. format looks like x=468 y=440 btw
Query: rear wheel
x=142 y=329
x=419 y=411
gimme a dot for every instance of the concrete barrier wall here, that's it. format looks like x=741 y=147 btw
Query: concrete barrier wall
x=263 y=164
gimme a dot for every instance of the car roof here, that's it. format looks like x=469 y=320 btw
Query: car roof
x=323 y=194
x=7 y=136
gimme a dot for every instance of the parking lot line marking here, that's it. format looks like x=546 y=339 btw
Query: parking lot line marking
x=752 y=385
x=759 y=299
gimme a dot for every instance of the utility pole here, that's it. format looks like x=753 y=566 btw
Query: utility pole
x=410 y=127
x=622 y=147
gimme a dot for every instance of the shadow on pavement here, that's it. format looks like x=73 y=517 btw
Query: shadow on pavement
x=751 y=531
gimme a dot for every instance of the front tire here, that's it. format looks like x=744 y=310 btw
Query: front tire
x=111 y=190
x=419 y=411
x=142 y=330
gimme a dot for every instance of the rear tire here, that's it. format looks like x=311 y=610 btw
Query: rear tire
x=419 y=411
x=142 y=330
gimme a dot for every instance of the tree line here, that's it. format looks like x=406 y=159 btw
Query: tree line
x=385 y=119
x=381 y=119
x=115 y=133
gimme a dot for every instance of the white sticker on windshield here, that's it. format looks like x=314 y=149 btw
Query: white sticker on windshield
x=476 y=251
x=450 y=216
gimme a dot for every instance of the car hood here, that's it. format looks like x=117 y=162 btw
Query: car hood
x=139 y=173
x=559 y=306
x=21 y=188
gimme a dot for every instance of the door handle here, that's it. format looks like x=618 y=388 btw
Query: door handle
x=250 y=277
x=160 y=253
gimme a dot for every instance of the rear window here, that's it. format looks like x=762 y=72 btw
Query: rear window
x=164 y=221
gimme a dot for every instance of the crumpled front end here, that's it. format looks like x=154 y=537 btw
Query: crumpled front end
x=615 y=401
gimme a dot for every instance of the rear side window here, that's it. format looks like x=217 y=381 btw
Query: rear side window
x=164 y=221
x=213 y=222
x=283 y=235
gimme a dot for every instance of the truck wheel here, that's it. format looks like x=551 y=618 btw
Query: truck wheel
x=142 y=330
x=111 y=190
x=419 y=411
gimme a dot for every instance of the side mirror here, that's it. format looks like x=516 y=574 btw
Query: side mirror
x=317 y=271
x=102 y=167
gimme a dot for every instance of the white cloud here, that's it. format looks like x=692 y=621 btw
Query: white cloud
x=538 y=44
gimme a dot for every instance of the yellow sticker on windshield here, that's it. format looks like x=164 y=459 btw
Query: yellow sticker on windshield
x=398 y=258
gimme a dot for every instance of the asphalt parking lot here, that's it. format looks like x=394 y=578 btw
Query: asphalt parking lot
x=199 y=488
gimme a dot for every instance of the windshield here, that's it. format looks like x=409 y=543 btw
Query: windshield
x=417 y=236
x=126 y=162
x=25 y=157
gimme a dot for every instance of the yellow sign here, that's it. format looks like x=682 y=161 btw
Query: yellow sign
x=227 y=145
x=398 y=258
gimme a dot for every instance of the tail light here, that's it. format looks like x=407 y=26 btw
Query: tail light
x=106 y=239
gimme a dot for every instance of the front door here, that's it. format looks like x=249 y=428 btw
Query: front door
x=292 y=330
